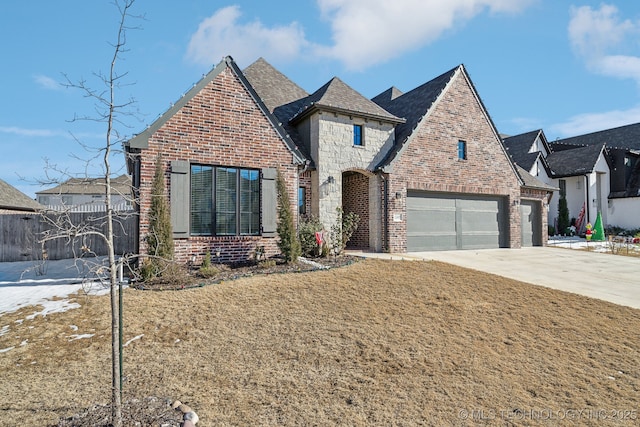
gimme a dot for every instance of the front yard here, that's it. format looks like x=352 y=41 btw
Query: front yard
x=374 y=343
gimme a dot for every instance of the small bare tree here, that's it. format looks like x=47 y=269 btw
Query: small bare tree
x=109 y=112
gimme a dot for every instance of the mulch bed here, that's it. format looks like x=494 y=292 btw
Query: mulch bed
x=188 y=279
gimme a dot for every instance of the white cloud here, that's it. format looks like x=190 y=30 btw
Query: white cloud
x=14 y=130
x=221 y=35
x=364 y=32
x=47 y=82
x=599 y=35
x=592 y=122
x=367 y=32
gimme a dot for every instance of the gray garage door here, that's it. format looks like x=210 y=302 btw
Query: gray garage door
x=531 y=223
x=445 y=222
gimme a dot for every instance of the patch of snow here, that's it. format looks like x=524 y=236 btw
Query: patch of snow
x=4 y=350
x=58 y=306
x=73 y=327
x=22 y=285
x=23 y=343
x=4 y=330
x=313 y=263
x=79 y=337
x=132 y=340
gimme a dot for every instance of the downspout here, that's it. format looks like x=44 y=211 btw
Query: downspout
x=385 y=219
x=587 y=201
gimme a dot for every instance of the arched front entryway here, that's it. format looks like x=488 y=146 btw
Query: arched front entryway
x=356 y=198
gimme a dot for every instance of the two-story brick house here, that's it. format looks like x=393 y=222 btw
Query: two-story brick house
x=423 y=170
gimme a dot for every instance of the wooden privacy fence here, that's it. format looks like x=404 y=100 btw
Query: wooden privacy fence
x=20 y=236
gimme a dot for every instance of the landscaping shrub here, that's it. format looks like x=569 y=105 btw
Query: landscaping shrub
x=307 y=229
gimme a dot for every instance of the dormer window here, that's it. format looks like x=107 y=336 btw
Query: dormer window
x=357 y=136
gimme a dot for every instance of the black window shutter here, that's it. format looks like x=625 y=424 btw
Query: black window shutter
x=180 y=198
x=269 y=202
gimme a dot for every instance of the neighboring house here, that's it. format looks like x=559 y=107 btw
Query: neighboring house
x=87 y=195
x=13 y=200
x=424 y=170
x=584 y=171
x=621 y=201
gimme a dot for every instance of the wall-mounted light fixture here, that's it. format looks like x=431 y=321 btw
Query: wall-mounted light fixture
x=331 y=179
x=398 y=194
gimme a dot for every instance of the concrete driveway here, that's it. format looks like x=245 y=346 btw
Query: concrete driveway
x=607 y=277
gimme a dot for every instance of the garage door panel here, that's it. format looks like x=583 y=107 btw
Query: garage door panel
x=450 y=221
x=443 y=220
x=480 y=221
x=530 y=223
x=432 y=242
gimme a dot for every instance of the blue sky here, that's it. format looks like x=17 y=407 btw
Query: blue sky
x=567 y=67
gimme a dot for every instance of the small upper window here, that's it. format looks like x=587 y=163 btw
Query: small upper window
x=302 y=197
x=462 y=150
x=357 y=135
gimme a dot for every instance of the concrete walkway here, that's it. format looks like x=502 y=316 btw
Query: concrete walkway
x=612 y=278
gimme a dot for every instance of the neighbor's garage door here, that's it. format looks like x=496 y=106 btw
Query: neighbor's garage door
x=459 y=221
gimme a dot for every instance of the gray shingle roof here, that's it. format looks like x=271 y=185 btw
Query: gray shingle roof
x=518 y=147
x=272 y=86
x=13 y=199
x=413 y=106
x=626 y=137
x=531 y=181
x=337 y=96
x=568 y=160
x=281 y=96
x=119 y=185
x=387 y=96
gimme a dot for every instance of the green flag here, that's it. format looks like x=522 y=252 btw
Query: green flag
x=598 y=230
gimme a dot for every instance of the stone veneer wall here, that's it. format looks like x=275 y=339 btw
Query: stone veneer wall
x=333 y=152
x=223 y=126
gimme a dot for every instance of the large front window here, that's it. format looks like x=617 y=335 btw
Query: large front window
x=224 y=201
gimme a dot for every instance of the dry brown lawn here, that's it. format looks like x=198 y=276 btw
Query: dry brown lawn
x=374 y=343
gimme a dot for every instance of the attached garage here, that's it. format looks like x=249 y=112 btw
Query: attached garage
x=437 y=221
x=531 y=223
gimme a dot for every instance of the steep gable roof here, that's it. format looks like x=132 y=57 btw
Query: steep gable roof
x=13 y=199
x=140 y=141
x=415 y=104
x=568 y=160
x=275 y=89
x=339 y=97
x=281 y=96
x=625 y=137
x=519 y=148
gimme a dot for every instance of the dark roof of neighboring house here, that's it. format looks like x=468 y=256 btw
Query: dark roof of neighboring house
x=625 y=137
x=518 y=147
x=339 y=97
x=13 y=199
x=530 y=181
x=140 y=141
x=571 y=160
x=119 y=185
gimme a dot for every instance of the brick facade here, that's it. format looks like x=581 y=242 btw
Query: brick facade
x=222 y=126
x=355 y=198
x=429 y=161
